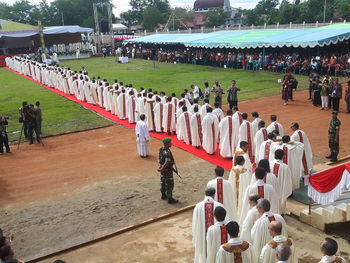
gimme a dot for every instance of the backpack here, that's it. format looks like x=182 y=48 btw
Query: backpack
x=200 y=92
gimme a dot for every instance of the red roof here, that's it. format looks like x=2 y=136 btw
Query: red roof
x=199 y=19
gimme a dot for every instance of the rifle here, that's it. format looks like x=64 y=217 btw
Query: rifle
x=176 y=171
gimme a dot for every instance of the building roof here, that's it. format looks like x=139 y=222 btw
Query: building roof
x=206 y=4
x=7 y=25
x=119 y=27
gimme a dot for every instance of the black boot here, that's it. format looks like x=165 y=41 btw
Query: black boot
x=329 y=156
x=172 y=201
x=164 y=197
x=334 y=158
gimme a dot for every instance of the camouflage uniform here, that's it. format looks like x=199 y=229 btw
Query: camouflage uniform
x=166 y=179
x=332 y=135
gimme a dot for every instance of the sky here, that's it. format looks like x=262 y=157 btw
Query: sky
x=123 y=5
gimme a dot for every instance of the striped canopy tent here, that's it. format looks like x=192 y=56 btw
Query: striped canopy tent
x=259 y=38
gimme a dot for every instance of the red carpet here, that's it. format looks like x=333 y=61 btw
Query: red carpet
x=214 y=159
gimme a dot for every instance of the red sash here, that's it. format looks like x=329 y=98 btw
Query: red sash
x=261 y=191
x=124 y=106
x=144 y=102
x=220 y=190
x=267 y=150
x=271 y=218
x=170 y=111
x=175 y=103
x=285 y=156
x=199 y=124
x=209 y=215
x=187 y=119
x=133 y=107
x=277 y=128
x=265 y=179
x=276 y=168
x=306 y=170
x=230 y=132
x=240 y=118
x=161 y=115
x=264 y=132
x=250 y=146
x=213 y=131
x=223 y=230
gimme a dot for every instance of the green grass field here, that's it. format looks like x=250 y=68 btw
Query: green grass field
x=175 y=78
x=59 y=114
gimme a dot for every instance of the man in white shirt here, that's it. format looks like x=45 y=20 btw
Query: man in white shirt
x=203 y=218
x=217 y=234
x=275 y=125
x=142 y=137
x=196 y=92
x=329 y=248
x=236 y=249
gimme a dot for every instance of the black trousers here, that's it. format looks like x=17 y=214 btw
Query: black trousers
x=233 y=103
x=4 y=141
x=336 y=104
x=33 y=127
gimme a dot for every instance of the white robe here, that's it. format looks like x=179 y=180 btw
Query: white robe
x=196 y=129
x=121 y=100
x=247 y=164
x=158 y=116
x=268 y=253
x=237 y=121
x=142 y=138
x=255 y=125
x=266 y=150
x=203 y=110
x=191 y=110
x=210 y=129
x=200 y=224
x=270 y=179
x=268 y=193
x=224 y=256
x=141 y=106
x=227 y=138
x=276 y=126
x=214 y=237
x=260 y=233
x=330 y=259
x=300 y=136
x=248 y=223
x=131 y=109
x=150 y=115
x=225 y=196
x=240 y=179
x=184 y=130
x=259 y=138
x=246 y=134
x=219 y=113
x=169 y=117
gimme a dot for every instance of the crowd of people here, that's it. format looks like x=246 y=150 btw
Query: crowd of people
x=336 y=64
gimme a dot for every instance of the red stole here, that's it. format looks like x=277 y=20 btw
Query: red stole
x=188 y=127
x=276 y=169
x=199 y=124
x=208 y=215
x=306 y=170
x=133 y=108
x=250 y=146
x=223 y=231
x=213 y=132
x=124 y=106
x=285 y=156
x=161 y=115
x=240 y=118
x=277 y=128
x=267 y=150
x=264 y=132
x=170 y=111
x=230 y=132
x=271 y=218
x=220 y=190
x=261 y=191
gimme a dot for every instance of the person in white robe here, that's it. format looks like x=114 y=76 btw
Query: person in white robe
x=217 y=234
x=226 y=136
x=267 y=147
x=251 y=217
x=264 y=190
x=275 y=126
x=240 y=179
x=87 y=91
x=169 y=112
x=179 y=111
x=224 y=193
x=293 y=154
x=210 y=129
x=260 y=232
x=237 y=121
x=255 y=123
x=196 y=128
x=131 y=108
x=185 y=102
x=175 y=101
x=202 y=219
x=300 y=136
x=242 y=150
x=259 y=138
x=121 y=100
x=203 y=110
x=158 y=114
x=142 y=137
x=268 y=253
x=115 y=102
x=218 y=111
x=284 y=178
x=94 y=94
x=235 y=250
x=100 y=95
x=195 y=104
x=329 y=249
x=184 y=124
x=141 y=105
x=150 y=113
x=245 y=133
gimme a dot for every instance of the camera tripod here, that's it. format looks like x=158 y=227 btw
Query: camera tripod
x=20 y=138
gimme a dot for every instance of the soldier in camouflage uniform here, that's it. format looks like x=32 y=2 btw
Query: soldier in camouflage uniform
x=333 y=135
x=166 y=162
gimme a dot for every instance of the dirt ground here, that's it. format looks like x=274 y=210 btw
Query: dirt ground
x=83 y=185
x=170 y=240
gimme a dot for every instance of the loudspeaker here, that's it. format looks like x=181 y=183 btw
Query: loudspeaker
x=104 y=25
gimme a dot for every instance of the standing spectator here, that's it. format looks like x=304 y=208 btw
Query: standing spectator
x=347 y=97
x=333 y=137
x=285 y=90
x=31 y=117
x=336 y=95
x=218 y=92
x=206 y=91
x=4 y=141
x=196 y=92
x=232 y=97
x=325 y=88
x=22 y=119
x=38 y=116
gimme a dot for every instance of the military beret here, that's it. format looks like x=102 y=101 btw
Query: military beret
x=166 y=140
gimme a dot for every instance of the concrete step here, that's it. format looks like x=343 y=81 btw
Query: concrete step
x=317 y=218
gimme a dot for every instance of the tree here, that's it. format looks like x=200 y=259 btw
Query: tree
x=130 y=18
x=264 y=7
x=181 y=16
x=215 y=17
x=252 y=17
x=343 y=10
x=152 y=17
